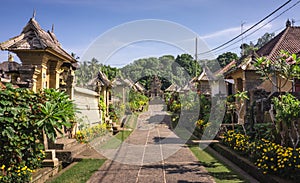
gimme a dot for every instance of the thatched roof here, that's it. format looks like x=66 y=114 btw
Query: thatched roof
x=33 y=37
x=172 y=88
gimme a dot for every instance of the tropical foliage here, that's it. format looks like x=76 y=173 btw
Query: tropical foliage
x=287 y=110
x=286 y=107
x=24 y=117
x=137 y=101
x=285 y=68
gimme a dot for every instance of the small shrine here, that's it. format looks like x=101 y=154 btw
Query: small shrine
x=44 y=63
x=155 y=88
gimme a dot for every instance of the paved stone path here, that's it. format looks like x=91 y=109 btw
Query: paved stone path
x=152 y=153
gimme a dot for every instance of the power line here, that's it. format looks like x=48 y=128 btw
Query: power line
x=263 y=25
x=247 y=29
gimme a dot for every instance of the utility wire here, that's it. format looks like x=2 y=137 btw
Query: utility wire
x=263 y=25
x=247 y=29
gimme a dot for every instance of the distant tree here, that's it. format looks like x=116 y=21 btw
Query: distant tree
x=225 y=58
x=189 y=64
x=89 y=70
x=247 y=49
x=167 y=68
x=110 y=72
x=264 y=39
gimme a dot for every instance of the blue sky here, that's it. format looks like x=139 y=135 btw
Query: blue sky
x=78 y=23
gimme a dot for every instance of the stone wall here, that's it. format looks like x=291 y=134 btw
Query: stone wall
x=87 y=101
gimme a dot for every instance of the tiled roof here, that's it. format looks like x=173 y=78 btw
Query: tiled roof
x=288 y=40
x=225 y=69
x=33 y=37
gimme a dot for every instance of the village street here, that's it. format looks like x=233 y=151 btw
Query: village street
x=152 y=153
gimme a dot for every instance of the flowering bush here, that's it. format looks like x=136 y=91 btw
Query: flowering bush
x=175 y=107
x=266 y=155
x=274 y=158
x=15 y=174
x=237 y=141
x=87 y=134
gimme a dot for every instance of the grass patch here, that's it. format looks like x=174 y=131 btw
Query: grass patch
x=117 y=140
x=220 y=172
x=132 y=121
x=80 y=172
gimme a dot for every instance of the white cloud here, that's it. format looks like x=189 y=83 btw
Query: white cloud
x=234 y=31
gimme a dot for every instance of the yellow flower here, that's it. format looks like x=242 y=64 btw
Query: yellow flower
x=2 y=167
x=24 y=168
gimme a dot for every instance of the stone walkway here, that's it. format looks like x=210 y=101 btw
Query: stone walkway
x=152 y=153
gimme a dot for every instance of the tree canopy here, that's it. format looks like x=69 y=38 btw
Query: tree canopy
x=89 y=70
x=226 y=58
x=170 y=70
x=248 y=48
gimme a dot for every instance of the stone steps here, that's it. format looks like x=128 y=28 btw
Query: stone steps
x=67 y=155
x=63 y=143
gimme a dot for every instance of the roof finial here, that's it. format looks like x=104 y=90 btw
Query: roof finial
x=10 y=57
x=34 y=13
x=52 y=28
x=293 y=22
x=288 y=23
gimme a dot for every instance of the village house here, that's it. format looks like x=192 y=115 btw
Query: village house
x=102 y=85
x=212 y=83
x=246 y=78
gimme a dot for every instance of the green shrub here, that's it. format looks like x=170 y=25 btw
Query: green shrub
x=24 y=117
x=137 y=101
